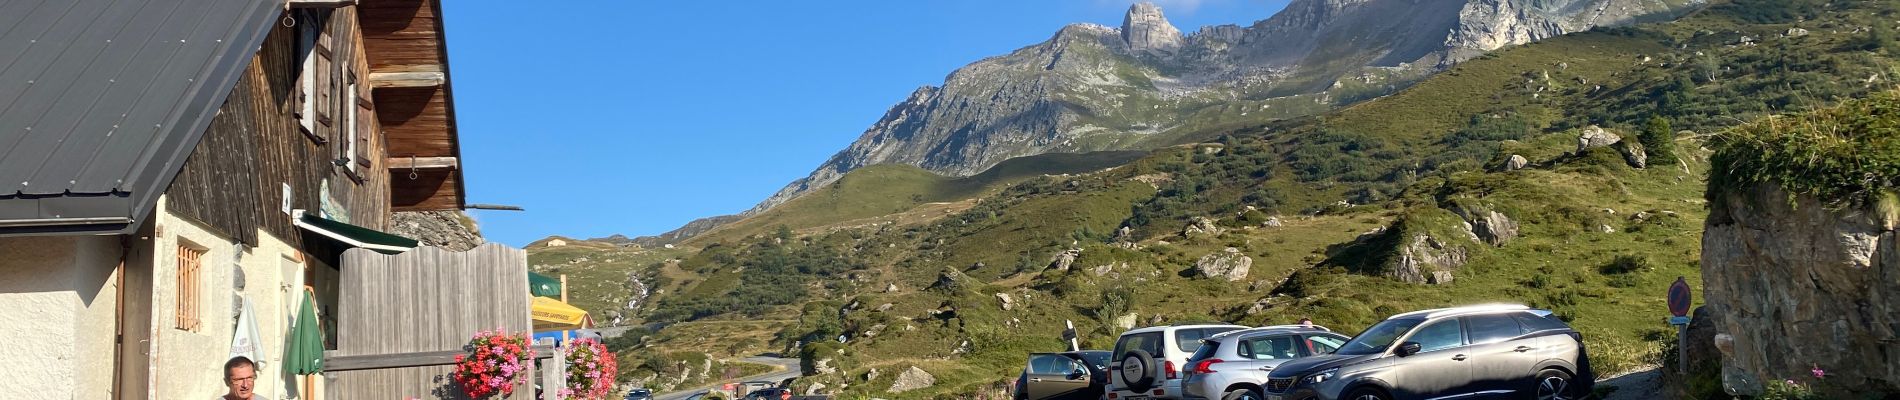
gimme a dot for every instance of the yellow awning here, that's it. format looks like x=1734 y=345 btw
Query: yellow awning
x=553 y=315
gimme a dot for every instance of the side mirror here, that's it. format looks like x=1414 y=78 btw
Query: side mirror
x=1407 y=349
x=1078 y=373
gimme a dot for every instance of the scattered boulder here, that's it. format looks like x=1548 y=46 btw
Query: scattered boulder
x=912 y=378
x=1797 y=32
x=1595 y=136
x=1007 y=302
x=1492 y=227
x=885 y=307
x=1272 y=222
x=1634 y=153
x=951 y=280
x=1606 y=228
x=1228 y=264
x=1516 y=162
x=1425 y=255
x=890 y=287
x=1439 y=278
x=1201 y=225
x=1126 y=321
x=816 y=388
x=870 y=375
x=823 y=367
x=1062 y=261
x=1105 y=269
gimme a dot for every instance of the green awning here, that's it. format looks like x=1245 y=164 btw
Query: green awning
x=354 y=235
x=543 y=286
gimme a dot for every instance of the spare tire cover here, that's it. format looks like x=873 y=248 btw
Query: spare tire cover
x=1138 y=371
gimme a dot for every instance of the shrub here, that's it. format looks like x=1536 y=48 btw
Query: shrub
x=1658 y=140
x=1846 y=156
x=1624 y=264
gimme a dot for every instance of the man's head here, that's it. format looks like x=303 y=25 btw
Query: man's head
x=240 y=374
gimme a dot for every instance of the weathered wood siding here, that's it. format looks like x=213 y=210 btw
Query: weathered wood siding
x=233 y=181
x=407 y=36
x=427 y=299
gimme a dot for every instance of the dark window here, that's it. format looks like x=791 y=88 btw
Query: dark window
x=1325 y=344
x=1150 y=342
x=1189 y=340
x=1534 y=323
x=1208 y=350
x=1443 y=334
x=1492 y=328
x=1097 y=358
x=1271 y=348
x=1048 y=364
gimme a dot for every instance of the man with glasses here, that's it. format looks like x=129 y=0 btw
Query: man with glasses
x=240 y=376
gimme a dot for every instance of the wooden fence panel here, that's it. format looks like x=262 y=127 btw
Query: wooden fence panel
x=425 y=300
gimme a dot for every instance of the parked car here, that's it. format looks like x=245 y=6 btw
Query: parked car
x=1075 y=375
x=1234 y=365
x=1496 y=351
x=639 y=394
x=699 y=396
x=1147 y=361
x=770 y=394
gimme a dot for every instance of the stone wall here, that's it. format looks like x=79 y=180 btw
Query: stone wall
x=1800 y=286
x=449 y=230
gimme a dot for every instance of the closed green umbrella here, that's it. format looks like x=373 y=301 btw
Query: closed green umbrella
x=304 y=354
x=544 y=286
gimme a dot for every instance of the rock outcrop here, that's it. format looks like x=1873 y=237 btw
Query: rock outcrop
x=1634 y=153
x=1798 y=285
x=1201 y=226
x=1145 y=30
x=1493 y=227
x=1595 y=136
x=1062 y=261
x=1229 y=265
x=1516 y=162
x=1423 y=257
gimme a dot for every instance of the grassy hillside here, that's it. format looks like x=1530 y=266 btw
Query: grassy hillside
x=1597 y=240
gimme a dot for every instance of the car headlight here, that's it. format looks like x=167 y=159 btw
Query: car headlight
x=1322 y=376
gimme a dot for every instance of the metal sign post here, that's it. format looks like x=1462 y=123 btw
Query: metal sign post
x=1070 y=334
x=1679 y=306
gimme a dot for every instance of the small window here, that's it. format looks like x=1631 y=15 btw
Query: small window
x=1206 y=351
x=189 y=262
x=1150 y=342
x=1271 y=348
x=1535 y=323
x=1048 y=364
x=1444 y=334
x=349 y=126
x=1325 y=344
x=1492 y=328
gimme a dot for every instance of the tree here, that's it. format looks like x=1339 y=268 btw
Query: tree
x=1658 y=140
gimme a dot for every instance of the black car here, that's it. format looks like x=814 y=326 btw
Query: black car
x=640 y=394
x=1475 y=352
x=769 y=394
x=1074 y=375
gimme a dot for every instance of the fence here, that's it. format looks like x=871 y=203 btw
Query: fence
x=402 y=318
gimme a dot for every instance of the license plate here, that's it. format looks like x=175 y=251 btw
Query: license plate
x=1275 y=397
x=1133 y=397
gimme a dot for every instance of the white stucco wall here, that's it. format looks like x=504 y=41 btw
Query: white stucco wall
x=58 y=304
x=188 y=364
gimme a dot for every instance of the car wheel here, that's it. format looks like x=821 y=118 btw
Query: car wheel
x=1242 y=394
x=1138 y=371
x=1367 y=394
x=1554 y=385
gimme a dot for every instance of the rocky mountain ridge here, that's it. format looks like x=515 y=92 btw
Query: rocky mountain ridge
x=1092 y=87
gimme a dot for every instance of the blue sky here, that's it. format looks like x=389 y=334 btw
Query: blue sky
x=634 y=117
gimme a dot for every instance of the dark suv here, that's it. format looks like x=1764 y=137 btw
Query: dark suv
x=1499 y=351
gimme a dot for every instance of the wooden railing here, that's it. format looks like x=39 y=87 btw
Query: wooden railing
x=553 y=364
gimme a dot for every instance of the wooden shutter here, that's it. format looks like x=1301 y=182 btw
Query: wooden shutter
x=326 y=75
x=186 y=309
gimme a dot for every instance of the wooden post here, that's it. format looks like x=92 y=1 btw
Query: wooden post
x=554 y=375
x=564 y=301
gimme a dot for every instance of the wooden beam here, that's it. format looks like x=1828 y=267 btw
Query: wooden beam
x=423 y=163
x=407 y=79
x=321 y=3
x=332 y=362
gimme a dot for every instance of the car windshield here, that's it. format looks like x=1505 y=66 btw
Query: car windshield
x=1379 y=337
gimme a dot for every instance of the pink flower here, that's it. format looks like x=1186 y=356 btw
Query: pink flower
x=1818 y=373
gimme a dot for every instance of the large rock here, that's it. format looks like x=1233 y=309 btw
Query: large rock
x=1126 y=321
x=1200 y=226
x=1062 y=261
x=1492 y=227
x=1419 y=259
x=1144 y=29
x=1634 y=153
x=1798 y=285
x=1516 y=162
x=1595 y=136
x=1228 y=264
x=1006 y=302
x=912 y=378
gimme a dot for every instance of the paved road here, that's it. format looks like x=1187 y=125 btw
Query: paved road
x=783 y=368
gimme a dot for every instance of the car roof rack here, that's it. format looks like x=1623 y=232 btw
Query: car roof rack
x=1439 y=312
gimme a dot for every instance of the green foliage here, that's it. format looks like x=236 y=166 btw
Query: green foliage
x=1658 y=141
x=1845 y=156
x=1772 y=11
x=776 y=273
x=1623 y=264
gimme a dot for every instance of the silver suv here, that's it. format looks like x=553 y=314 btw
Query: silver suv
x=1147 y=361
x=1234 y=365
x=1500 y=351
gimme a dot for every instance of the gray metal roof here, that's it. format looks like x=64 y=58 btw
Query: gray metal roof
x=101 y=101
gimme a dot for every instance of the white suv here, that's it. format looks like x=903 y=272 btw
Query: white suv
x=1147 y=362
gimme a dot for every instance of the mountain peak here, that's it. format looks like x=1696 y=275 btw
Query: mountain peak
x=1145 y=29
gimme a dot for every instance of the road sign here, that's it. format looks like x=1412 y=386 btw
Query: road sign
x=1679 y=298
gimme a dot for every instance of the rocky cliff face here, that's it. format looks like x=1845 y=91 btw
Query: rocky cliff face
x=1799 y=286
x=1093 y=87
x=450 y=230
